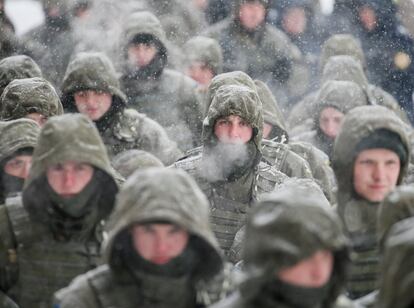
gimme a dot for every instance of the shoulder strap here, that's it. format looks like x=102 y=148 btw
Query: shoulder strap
x=266 y=179
x=21 y=224
x=274 y=153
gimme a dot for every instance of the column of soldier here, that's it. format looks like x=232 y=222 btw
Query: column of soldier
x=242 y=153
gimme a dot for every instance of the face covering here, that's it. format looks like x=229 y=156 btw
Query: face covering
x=182 y=265
x=78 y=205
x=11 y=184
x=295 y=296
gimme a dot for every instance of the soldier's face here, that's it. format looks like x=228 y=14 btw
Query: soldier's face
x=252 y=15
x=313 y=272
x=69 y=178
x=368 y=18
x=294 y=21
x=330 y=121
x=376 y=173
x=40 y=119
x=18 y=166
x=93 y=104
x=141 y=55
x=159 y=243
x=233 y=129
x=200 y=73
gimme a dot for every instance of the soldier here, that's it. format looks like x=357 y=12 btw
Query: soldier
x=275 y=150
x=342 y=19
x=164 y=95
x=54 y=232
x=305 y=268
x=386 y=42
x=228 y=168
x=17 y=67
x=261 y=50
x=91 y=87
x=181 y=20
x=335 y=99
x=9 y=43
x=18 y=138
x=342 y=45
x=396 y=282
x=204 y=60
x=336 y=45
x=397 y=206
x=277 y=154
x=343 y=68
x=395 y=216
x=160 y=250
x=371 y=156
x=52 y=43
x=295 y=159
x=282 y=157
x=32 y=98
x=297 y=18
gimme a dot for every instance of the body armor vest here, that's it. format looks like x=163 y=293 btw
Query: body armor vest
x=122 y=292
x=274 y=153
x=228 y=215
x=44 y=264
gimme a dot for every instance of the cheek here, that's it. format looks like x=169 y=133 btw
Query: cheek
x=178 y=244
x=54 y=180
x=84 y=178
x=359 y=176
x=394 y=175
x=142 y=245
x=247 y=133
x=105 y=104
x=221 y=132
x=80 y=104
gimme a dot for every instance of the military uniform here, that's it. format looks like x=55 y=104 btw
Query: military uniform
x=15 y=137
x=205 y=51
x=179 y=18
x=47 y=240
x=9 y=43
x=359 y=215
x=167 y=96
x=6 y=302
x=340 y=95
x=121 y=129
x=276 y=149
x=52 y=43
x=31 y=95
x=17 y=67
x=394 y=218
x=231 y=189
x=265 y=53
x=127 y=280
x=270 y=246
x=397 y=206
x=295 y=159
x=342 y=45
x=397 y=267
x=389 y=44
x=343 y=68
